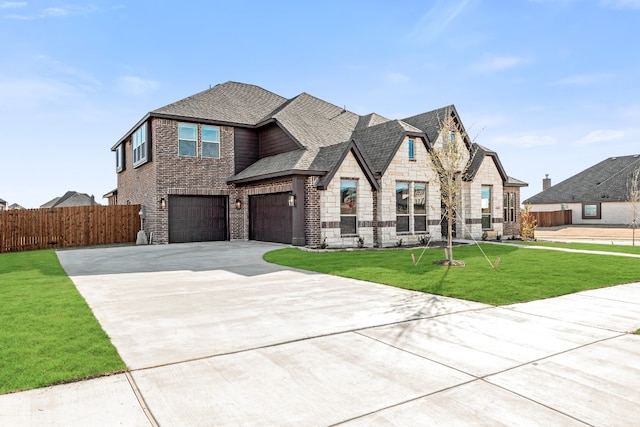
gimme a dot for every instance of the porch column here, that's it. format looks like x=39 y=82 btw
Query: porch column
x=297 y=214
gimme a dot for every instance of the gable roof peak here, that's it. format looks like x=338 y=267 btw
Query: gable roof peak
x=230 y=102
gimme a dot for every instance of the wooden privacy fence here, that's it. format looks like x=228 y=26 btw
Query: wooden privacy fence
x=553 y=218
x=30 y=229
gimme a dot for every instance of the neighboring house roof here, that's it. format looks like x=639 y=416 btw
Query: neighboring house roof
x=15 y=206
x=605 y=181
x=70 y=199
x=3 y=202
x=111 y=193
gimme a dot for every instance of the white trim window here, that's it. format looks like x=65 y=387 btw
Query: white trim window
x=485 y=202
x=140 y=145
x=120 y=158
x=210 y=142
x=420 y=207
x=412 y=149
x=348 y=207
x=187 y=140
x=411 y=207
x=402 y=207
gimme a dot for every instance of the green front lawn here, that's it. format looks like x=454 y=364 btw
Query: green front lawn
x=48 y=333
x=522 y=274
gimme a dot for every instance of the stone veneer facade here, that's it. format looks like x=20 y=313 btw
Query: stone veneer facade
x=487 y=175
x=330 y=207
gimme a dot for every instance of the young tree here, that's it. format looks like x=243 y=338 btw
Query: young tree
x=527 y=224
x=448 y=157
x=633 y=196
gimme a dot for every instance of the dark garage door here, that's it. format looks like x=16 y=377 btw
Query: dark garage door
x=270 y=218
x=197 y=218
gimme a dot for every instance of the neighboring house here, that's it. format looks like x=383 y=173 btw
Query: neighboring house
x=3 y=205
x=70 y=199
x=597 y=195
x=112 y=197
x=239 y=162
x=15 y=206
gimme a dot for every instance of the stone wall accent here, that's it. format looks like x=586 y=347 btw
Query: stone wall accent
x=487 y=175
x=403 y=169
x=330 y=207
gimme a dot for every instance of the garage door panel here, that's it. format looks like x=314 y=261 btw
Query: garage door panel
x=270 y=218
x=197 y=218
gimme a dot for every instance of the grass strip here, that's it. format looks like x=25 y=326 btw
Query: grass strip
x=602 y=247
x=522 y=274
x=49 y=334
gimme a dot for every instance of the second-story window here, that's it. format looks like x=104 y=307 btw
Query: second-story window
x=211 y=142
x=412 y=148
x=140 y=145
x=120 y=158
x=187 y=140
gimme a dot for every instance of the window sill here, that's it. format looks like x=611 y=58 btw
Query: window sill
x=137 y=165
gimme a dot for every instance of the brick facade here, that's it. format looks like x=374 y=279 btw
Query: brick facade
x=167 y=174
x=512 y=228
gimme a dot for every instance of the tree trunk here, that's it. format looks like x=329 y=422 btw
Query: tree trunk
x=450 y=228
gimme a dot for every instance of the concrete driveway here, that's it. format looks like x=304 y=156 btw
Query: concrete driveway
x=215 y=336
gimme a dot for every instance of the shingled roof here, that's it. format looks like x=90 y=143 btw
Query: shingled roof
x=315 y=123
x=431 y=122
x=380 y=143
x=323 y=131
x=230 y=102
x=478 y=155
x=605 y=181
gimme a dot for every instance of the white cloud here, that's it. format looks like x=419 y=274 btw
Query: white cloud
x=584 y=79
x=136 y=86
x=602 y=135
x=12 y=4
x=52 y=12
x=55 y=11
x=34 y=93
x=525 y=141
x=437 y=20
x=499 y=63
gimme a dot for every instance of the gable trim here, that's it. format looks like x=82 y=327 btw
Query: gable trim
x=364 y=166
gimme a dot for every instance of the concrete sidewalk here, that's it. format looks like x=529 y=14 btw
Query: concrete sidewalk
x=215 y=336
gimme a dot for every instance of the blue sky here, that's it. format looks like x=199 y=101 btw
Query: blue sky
x=551 y=85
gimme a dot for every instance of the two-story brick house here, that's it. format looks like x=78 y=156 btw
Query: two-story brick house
x=239 y=162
